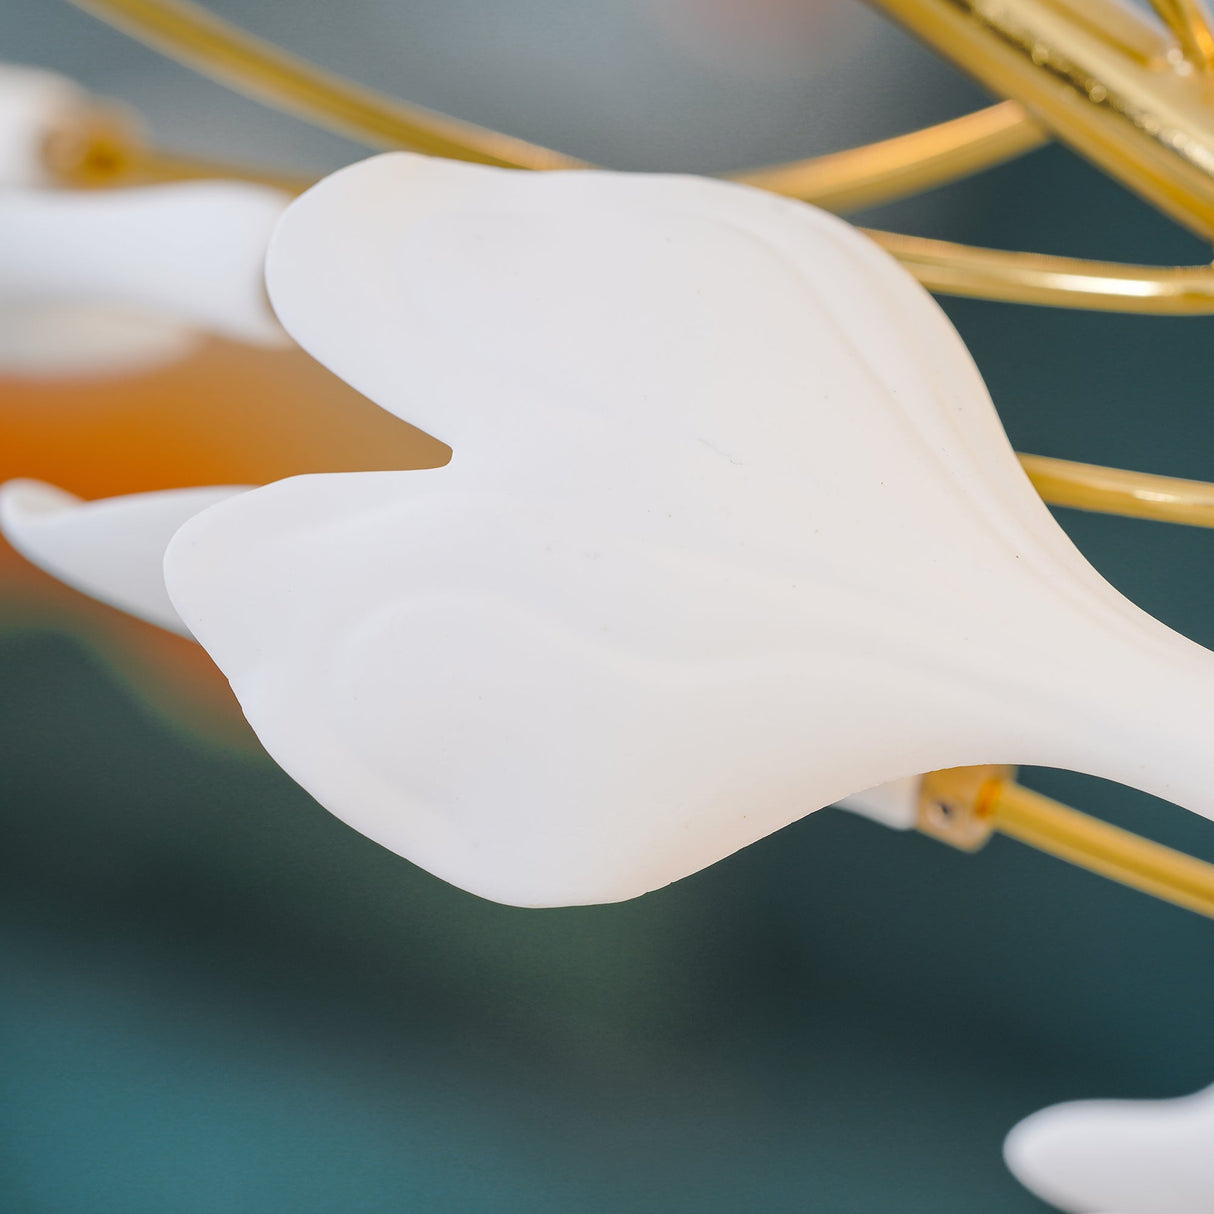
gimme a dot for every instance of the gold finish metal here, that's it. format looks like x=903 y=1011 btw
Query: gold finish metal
x=856 y=178
x=1100 y=76
x=859 y=177
x=1101 y=848
x=907 y=164
x=103 y=147
x=109 y=154
x=92 y=147
x=1166 y=499
x=1189 y=20
x=150 y=165
x=964 y=806
x=1059 y=282
x=844 y=180
x=952 y=804
x=224 y=52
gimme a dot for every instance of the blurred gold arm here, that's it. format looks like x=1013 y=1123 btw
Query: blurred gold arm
x=100 y=153
x=964 y=806
x=1189 y=20
x=104 y=151
x=840 y=181
x=224 y=52
x=845 y=180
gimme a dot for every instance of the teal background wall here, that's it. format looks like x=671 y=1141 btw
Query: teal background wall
x=215 y=997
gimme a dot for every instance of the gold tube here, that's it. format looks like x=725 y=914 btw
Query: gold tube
x=1099 y=847
x=840 y=181
x=134 y=163
x=941 y=266
x=1189 y=20
x=1166 y=499
x=1060 y=282
x=259 y=69
x=907 y=164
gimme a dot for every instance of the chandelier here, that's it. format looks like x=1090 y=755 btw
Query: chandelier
x=627 y=654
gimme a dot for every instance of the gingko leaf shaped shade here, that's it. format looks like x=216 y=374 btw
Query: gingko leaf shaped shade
x=113 y=550
x=1132 y=1156
x=731 y=531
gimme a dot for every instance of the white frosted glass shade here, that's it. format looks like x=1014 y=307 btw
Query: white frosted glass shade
x=1131 y=1156
x=731 y=531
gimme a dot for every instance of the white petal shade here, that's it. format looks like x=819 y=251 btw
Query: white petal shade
x=731 y=530
x=1132 y=1156
x=111 y=549
x=192 y=252
x=895 y=804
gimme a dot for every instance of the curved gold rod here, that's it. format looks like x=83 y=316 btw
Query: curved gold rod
x=848 y=180
x=152 y=166
x=1189 y=20
x=907 y=164
x=941 y=266
x=103 y=148
x=1108 y=850
x=964 y=806
x=187 y=32
x=1166 y=499
x=1059 y=282
x=841 y=181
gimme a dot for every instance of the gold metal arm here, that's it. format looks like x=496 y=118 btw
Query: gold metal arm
x=224 y=52
x=963 y=806
x=96 y=156
x=1166 y=499
x=907 y=164
x=1059 y=282
x=841 y=181
x=846 y=180
x=1189 y=20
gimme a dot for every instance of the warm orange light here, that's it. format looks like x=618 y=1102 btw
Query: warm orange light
x=226 y=415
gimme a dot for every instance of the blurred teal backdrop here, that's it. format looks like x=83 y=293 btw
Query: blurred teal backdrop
x=215 y=997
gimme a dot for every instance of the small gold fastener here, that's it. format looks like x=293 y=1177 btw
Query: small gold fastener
x=954 y=804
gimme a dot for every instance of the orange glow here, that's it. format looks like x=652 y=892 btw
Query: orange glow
x=226 y=415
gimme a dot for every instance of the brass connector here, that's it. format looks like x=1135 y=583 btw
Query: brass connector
x=954 y=804
x=93 y=147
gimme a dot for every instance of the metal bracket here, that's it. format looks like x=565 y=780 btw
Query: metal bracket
x=954 y=804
